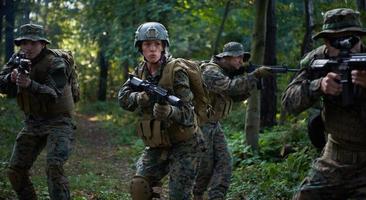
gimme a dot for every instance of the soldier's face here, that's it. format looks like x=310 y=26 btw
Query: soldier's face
x=235 y=62
x=333 y=52
x=152 y=49
x=31 y=48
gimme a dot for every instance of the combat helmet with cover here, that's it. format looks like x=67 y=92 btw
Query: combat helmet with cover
x=151 y=31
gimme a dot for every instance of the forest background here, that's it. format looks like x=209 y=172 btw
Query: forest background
x=101 y=33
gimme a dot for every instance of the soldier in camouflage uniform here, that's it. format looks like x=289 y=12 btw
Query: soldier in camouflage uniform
x=216 y=164
x=44 y=95
x=340 y=173
x=169 y=132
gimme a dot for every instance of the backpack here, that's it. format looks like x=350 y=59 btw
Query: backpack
x=201 y=101
x=73 y=79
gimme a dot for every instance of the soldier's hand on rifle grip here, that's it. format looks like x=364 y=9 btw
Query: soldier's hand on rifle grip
x=23 y=80
x=262 y=72
x=142 y=99
x=163 y=112
x=329 y=84
x=14 y=75
x=359 y=77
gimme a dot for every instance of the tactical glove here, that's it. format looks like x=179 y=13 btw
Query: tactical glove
x=163 y=112
x=262 y=72
x=142 y=99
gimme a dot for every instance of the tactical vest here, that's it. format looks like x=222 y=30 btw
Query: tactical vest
x=40 y=104
x=156 y=133
x=221 y=104
x=346 y=125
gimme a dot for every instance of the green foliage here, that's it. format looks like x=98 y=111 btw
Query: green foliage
x=10 y=120
x=266 y=174
x=263 y=179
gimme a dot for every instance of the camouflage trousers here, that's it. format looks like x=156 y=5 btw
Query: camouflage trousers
x=179 y=162
x=338 y=175
x=215 y=168
x=56 y=136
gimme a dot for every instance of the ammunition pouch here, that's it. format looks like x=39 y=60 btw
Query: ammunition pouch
x=222 y=106
x=153 y=135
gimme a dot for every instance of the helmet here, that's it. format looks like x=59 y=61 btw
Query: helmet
x=233 y=49
x=151 y=31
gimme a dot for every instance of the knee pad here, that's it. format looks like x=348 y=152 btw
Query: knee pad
x=140 y=188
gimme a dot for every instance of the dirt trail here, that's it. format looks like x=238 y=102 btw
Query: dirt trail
x=94 y=153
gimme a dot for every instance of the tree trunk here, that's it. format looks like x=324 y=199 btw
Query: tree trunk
x=125 y=69
x=9 y=28
x=2 y=13
x=25 y=11
x=103 y=77
x=361 y=5
x=221 y=29
x=307 y=43
x=269 y=84
x=45 y=13
x=252 y=120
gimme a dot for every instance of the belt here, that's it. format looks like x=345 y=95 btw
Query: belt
x=342 y=155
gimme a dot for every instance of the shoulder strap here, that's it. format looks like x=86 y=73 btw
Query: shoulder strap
x=167 y=80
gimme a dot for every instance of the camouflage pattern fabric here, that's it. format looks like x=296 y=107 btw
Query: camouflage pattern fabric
x=340 y=172
x=215 y=170
x=216 y=164
x=181 y=159
x=340 y=20
x=181 y=166
x=332 y=180
x=33 y=32
x=56 y=136
x=55 y=133
x=218 y=81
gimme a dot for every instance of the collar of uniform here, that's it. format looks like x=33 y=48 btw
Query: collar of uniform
x=39 y=56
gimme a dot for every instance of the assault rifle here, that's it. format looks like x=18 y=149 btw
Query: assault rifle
x=251 y=67
x=343 y=65
x=22 y=64
x=274 y=69
x=159 y=94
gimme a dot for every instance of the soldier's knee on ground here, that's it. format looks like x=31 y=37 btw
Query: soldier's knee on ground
x=140 y=188
x=19 y=179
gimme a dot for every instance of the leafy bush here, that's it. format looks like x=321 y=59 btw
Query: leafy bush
x=267 y=174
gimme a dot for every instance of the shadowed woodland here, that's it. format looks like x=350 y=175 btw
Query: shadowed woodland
x=271 y=155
